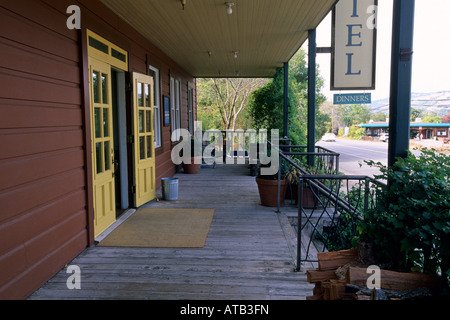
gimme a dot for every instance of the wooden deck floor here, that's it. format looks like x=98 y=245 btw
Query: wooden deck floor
x=249 y=253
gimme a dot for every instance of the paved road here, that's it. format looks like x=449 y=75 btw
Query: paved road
x=354 y=152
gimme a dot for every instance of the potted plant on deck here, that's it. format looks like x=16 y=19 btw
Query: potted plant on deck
x=268 y=189
x=292 y=191
x=193 y=166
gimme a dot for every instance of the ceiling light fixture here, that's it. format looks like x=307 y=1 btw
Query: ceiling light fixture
x=230 y=7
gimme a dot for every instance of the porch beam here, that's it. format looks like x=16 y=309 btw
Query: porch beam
x=312 y=52
x=401 y=74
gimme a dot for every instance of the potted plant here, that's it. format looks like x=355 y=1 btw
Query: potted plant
x=194 y=165
x=268 y=189
x=292 y=189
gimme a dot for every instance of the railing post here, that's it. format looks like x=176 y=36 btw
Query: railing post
x=337 y=163
x=286 y=101
x=299 y=224
x=366 y=195
x=279 y=184
x=312 y=51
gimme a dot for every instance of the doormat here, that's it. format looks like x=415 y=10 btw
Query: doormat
x=162 y=228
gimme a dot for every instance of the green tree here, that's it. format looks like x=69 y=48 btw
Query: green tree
x=267 y=103
x=354 y=114
x=415 y=113
x=221 y=102
x=430 y=119
x=379 y=117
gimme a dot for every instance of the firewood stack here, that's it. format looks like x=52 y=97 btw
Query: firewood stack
x=394 y=285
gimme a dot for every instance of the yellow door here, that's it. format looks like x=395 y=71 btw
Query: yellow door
x=144 y=139
x=102 y=145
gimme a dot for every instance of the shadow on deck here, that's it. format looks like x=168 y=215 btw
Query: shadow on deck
x=249 y=253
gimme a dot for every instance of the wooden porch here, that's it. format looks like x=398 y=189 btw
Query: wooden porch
x=249 y=253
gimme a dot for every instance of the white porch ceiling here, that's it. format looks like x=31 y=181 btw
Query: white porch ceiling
x=265 y=33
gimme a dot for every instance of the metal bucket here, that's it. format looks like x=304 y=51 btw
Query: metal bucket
x=170 y=189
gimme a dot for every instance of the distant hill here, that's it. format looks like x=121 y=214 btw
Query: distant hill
x=437 y=102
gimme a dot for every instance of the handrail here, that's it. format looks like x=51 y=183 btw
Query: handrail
x=316 y=181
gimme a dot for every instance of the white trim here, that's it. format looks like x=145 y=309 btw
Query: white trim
x=175 y=107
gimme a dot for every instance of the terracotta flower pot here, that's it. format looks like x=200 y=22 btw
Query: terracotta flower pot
x=308 y=196
x=193 y=167
x=268 y=191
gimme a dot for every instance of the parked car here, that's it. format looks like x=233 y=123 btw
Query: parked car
x=384 y=137
x=329 y=137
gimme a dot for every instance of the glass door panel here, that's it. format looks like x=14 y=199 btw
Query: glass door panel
x=102 y=144
x=144 y=139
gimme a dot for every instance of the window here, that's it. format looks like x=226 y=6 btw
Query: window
x=154 y=72
x=191 y=110
x=103 y=50
x=144 y=120
x=442 y=133
x=175 y=100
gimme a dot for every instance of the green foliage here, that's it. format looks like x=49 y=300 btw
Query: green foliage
x=266 y=104
x=210 y=118
x=410 y=226
x=379 y=117
x=221 y=103
x=432 y=119
x=343 y=234
x=415 y=113
x=356 y=132
x=354 y=114
x=266 y=109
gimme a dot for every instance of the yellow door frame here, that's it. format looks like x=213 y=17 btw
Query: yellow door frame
x=102 y=55
x=144 y=139
x=102 y=145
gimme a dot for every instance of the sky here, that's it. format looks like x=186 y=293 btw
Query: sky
x=431 y=59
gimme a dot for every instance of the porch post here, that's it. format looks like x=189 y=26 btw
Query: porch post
x=312 y=94
x=401 y=73
x=286 y=101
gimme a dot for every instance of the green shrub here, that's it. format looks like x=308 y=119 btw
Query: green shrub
x=410 y=226
x=356 y=132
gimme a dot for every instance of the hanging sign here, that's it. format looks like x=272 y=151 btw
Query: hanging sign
x=354 y=34
x=353 y=98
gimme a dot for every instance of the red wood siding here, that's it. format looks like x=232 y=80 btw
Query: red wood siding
x=43 y=222
x=45 y=166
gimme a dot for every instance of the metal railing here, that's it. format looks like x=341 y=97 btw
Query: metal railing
x=336 y=202
x=339 y=204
